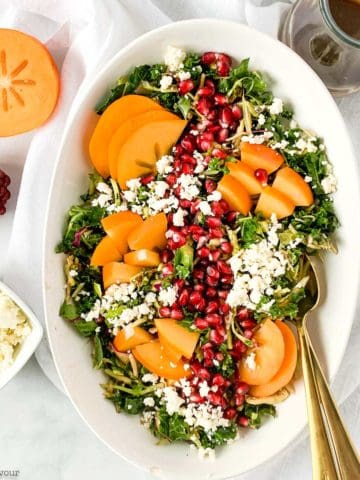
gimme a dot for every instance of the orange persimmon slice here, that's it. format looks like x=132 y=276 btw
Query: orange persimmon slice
x=260 y=156
x=127 y=128
x=287 y=368
x=269 y=354
x=152 y=355
x=272 y=201
x=129 y=337
x=176 y=337
x=118 y=272
x=235 y=194
x=246 y=176
x=119 y=225
x=116 y=113
x=142 y=258
x=29 y=83
x=294 y=186
x=149 y=234
x=105 y=252
x=174 y=355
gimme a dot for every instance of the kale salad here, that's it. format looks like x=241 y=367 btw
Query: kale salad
x=185 y=259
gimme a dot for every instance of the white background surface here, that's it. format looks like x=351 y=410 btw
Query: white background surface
x=40 y=433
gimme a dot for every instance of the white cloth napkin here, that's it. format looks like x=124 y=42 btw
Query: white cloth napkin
x=83 y=35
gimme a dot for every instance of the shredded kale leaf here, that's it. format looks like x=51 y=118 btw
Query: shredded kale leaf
x=258 y=413
x=183 y=261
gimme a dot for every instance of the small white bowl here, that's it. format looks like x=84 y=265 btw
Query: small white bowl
x=28 y=347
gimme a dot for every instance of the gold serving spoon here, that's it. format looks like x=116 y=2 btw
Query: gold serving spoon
x=333 y=454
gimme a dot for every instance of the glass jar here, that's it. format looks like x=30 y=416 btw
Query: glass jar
x=311 y=31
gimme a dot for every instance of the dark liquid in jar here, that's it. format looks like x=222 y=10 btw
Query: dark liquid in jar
x=346 y=14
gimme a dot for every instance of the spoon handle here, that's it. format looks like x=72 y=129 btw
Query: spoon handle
x=323 y=465
x=347 y=457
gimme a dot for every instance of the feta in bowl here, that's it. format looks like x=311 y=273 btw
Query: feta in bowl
x=20 y=334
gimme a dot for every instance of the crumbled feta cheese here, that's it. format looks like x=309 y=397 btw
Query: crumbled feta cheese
x=205 y=208
x=167 y=296
x=276 y=107
x=14 y=328
x=189 y=186
x=258 y=139
x=261 y=119
x=329 y=183
x=150 y=378
x=178 y=218
x=165 y=82
x=207 y=454
x=215 y=196
x=149 y=402
x=183 y=76
x=160 y=188
x=73 y=273
x=164 y=164
x=250 y=361
x=133 y=184
x=172 y=400
x=280 y=145
x=174 y=58
x=308 y=179
x=204 y=389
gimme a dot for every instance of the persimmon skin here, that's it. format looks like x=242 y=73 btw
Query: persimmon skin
x=124 y=341
x=142 y=258
x=272 y=201
x=119 y=226
x=284 y=375
x=235 y=194
x=174 y=355
x=293 y=185
x=105 y=252
x=261 y=156
x=152 y=355
x=244 y=174
x=150 y=234
x=118 y=272
x=176 y=337
x=115 y=114
x=269 y=355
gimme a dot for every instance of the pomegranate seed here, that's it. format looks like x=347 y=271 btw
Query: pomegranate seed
x=212 y=281
x=231 y=216
x=222 y=68
x=211 y=292
x=213 y=222
x=195 y=297
x=164 y=311
x=201 y=323
x=236 y=111
x=171 y=179
x=185 y=86
x=187 y=169
x=176 y=314
x=188 y=142
x=216 y=399
x=198 y=274
x=248 y=333
x=220 y=357
x=209 y=355
x=210 y=185
x=199 y=287
x=220 y=99
x=177 y=165
x=224 y=308
x=261 y=175
x=224 y=267
x=239 y=346
x=205 y=92
x=217 y=209
x=203 y=252
x=146 y=180
x=213 y=272
x=239 y=400
x=223 y=57
x=242 y=388
x=216 y=233
x=230 y=413
x=204 y=374
x=243 y=421
x=166 y=256
x=178 y=150
x=213 y=128
x=212 y=307
x=196 y=398
x=196 y=229
x=222 y=135
x=184 y=203
x=227 y=280
x=201 y=305
x=248 y=324
x=222 y=294
x=218 y=153
x=243 y=314
x=224 y=205
x=225 y=117
x=214 y=255
x=195 y=366
x=213 y=319
x=178 y=239
x=216 y=337
x=212 y=116
x=205 y=140
x=168 y=269
x=184 y=297
x=226 y=247
x=208 y=57
x=204 y=106
x=218 y=380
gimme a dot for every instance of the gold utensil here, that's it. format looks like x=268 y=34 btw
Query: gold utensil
x=333 y=454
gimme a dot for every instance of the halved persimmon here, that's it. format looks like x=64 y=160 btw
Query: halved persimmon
x=235 y=194
x=176 y=337
x=260 y=156
x=119 y=225
x=116 y=113
x=272 y=201
x=105 y=252
x=127 y=128
x=152 y=356
x=149 y=234
x=145 y=146
x=242 y=172
x=118 y=272
x=269 y=352
x=29 y=83
x=129 y=337
x=142 y=258
x=291 y=184
x=174 y=355
x=287 y=368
